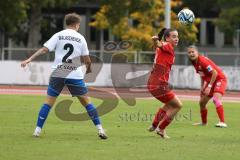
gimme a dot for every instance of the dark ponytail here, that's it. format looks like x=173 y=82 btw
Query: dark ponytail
x=164 y=33
x=161 y=33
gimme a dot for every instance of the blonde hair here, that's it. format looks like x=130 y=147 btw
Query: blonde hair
x=193 y=46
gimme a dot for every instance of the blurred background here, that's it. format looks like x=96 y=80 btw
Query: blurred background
x=119 y=32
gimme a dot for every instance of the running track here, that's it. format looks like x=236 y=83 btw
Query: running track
x=118 y=92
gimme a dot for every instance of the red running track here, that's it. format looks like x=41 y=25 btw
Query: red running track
x=139 y=93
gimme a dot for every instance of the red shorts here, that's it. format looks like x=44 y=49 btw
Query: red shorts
x=160 y=89
x=219 y=86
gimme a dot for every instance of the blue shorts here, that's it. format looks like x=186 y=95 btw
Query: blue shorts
x=76 y=87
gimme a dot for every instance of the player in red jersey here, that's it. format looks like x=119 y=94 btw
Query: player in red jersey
x=213 y=85
x=158 y=85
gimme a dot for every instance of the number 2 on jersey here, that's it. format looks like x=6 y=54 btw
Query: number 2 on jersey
x=68 y=47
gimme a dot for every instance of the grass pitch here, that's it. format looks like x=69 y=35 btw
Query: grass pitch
x=127 y=130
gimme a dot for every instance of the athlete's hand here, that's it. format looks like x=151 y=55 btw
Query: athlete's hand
x=154 y=38
x=204 y=85
x=24 y=63
x=207 y=91
x=89 y=70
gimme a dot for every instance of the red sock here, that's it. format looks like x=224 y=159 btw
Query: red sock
x=166 y=121
x=204 y=115
x=158 y=117
x=220 y=112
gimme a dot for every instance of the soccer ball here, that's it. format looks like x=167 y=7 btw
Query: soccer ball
x=186 y=16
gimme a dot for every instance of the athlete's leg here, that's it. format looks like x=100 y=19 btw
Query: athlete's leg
x=203 y=109
x=155 y=89
x=84 y=100
x=50 y=100
x=54 y=89
x=160 y=114
x=93 y=114
x=78 y=89
x=43 y=114
x=158 y=117
x=219 y=89
x=174 y=107
x=217 y=97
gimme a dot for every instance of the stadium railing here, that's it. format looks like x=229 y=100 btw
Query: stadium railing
x=125 y=56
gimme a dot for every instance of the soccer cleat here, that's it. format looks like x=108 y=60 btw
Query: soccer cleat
x=163 y=134
x=102 y=134
x=37 y=132
x=151 y=129
x=199 y=124
x=221 y=125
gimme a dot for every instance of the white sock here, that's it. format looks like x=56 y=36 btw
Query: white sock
x=38 y=129
x=99 y=127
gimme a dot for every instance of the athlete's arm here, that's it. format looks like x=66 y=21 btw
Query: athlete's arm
x=39 y=52
x=156 y=42
x=203 y=84
x=213 y=78
x=87 y=62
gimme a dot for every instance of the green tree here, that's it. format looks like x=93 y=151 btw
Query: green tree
x=12 y=13
x=35 y=17
x=22 y=19
x=139 y=20
x=229 y=18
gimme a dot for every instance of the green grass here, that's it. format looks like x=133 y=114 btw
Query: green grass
x=128 y=138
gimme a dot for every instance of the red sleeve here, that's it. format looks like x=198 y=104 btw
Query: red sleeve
x=205 y=64
x=167 y=47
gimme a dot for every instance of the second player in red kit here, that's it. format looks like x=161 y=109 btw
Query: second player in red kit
x=213 y=85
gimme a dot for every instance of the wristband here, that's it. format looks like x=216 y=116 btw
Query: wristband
x=209 y=85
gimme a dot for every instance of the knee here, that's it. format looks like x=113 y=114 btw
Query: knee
x=179 y=105
x=202 y=104
x=84 y=100
x=217 y=101
x=50 y=101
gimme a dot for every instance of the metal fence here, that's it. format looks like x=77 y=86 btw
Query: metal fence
x=125 y=56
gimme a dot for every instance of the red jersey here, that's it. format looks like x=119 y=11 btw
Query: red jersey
x=204 y=67
x=164 y=58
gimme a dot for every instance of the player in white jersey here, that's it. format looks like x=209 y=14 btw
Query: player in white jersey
x=69 y=46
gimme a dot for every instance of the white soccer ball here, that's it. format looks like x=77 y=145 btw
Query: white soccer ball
x=186 y=16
